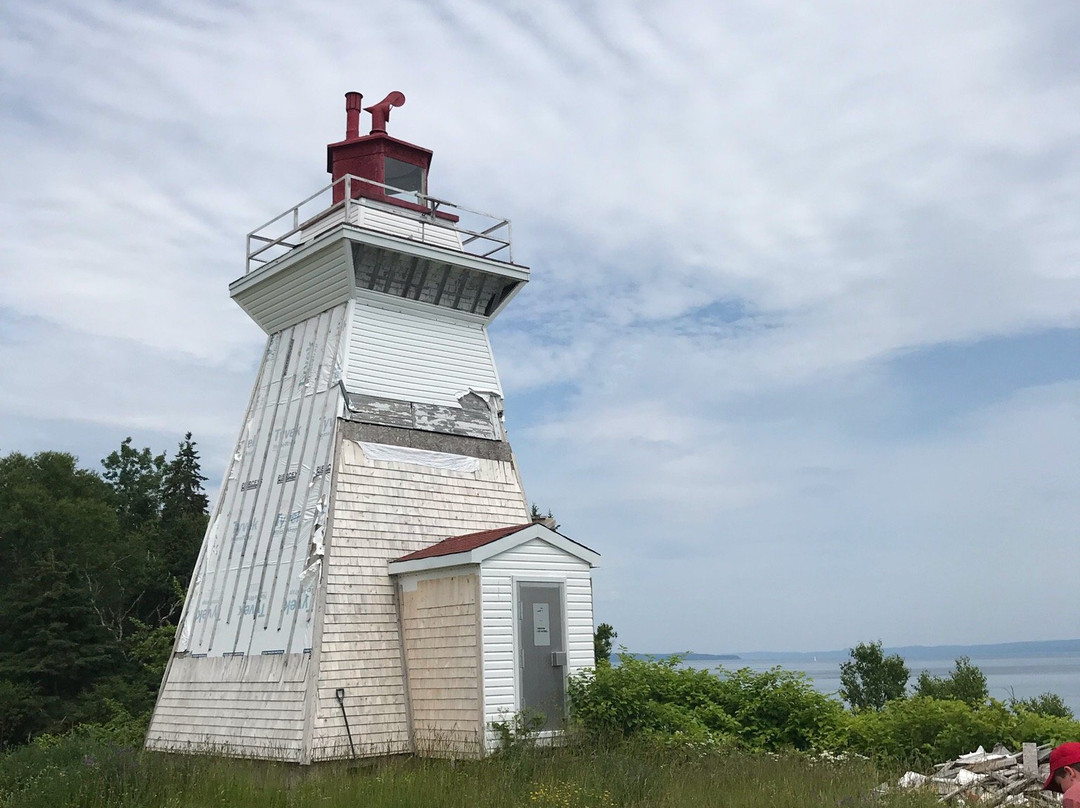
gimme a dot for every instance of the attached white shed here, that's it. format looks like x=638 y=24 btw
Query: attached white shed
x=492 y=624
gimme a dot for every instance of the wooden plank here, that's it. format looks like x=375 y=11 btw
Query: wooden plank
x=1030 y=759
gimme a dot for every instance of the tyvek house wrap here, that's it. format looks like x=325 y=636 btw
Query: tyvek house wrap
x=254 y=587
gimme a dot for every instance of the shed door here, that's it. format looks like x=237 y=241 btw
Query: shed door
x=542 y=651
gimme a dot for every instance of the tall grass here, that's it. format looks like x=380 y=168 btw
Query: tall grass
x=94 y=774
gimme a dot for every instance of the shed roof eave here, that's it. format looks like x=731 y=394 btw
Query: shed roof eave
x=480 y=554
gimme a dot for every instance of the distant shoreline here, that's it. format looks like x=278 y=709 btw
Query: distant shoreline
x=688 y=657
x=922 y=652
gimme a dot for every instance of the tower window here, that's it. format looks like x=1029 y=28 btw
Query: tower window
x=402 y=178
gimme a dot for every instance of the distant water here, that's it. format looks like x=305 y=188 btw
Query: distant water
x=1019 y=677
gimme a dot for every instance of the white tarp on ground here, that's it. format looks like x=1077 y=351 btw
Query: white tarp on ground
x=255 y=583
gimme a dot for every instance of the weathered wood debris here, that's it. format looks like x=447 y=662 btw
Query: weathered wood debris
x=995 y=778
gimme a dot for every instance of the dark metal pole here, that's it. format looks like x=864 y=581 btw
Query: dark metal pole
x=339 y=694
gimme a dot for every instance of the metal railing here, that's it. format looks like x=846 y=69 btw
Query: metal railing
x=479 y=234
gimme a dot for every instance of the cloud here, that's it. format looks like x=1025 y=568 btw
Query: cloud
x=791 y=531
x=750 y=225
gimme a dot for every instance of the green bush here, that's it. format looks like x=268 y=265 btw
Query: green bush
x=918 y=730
x=1043 y=729
x=772 y=710
x=1048 y=704
x=20 y=712
x=633 y=697
x=921 y=730
x=672 y=707
x=778 y=709
x=56 y=767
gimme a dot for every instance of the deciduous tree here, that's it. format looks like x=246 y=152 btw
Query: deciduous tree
x=89 y=582
x=869 y=678
x=136 y=480
x=1048 y=704
x=965 y=683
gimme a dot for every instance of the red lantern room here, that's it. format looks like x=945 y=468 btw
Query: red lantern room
x=391 y=170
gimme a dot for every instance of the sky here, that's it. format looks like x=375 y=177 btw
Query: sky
x=800 y=355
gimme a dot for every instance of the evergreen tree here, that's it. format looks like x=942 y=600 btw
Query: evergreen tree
x=602 y=638
x=181 y=486
x=183 y=511
x=53 y=640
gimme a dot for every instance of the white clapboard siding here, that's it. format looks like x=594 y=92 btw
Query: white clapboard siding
x=381 y=511
x=533 y=560
x=239 y=706
x=406 y=225
x=413 y=356
x=321 y=223
x=298 y=289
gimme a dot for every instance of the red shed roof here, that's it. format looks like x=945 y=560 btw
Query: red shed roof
x=463 y=544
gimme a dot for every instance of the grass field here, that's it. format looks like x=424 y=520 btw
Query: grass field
x=92 y=775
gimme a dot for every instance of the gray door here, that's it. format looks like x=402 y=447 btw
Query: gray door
x=542 y=651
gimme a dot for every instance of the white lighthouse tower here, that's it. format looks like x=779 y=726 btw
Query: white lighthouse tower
x=370 y=581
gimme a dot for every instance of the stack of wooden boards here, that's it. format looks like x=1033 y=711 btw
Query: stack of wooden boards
x=998 y=777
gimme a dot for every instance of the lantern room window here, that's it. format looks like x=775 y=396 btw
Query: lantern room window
x=403 y=178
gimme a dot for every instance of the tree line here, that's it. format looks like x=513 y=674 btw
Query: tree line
x=93 y=571
x=869 y=680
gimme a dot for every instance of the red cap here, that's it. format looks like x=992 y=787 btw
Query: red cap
x=1068 y=754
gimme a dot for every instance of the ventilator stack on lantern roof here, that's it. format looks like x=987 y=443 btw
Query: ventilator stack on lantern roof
x=370 y=581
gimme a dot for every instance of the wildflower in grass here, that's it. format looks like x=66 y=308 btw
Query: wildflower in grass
x=568 y=795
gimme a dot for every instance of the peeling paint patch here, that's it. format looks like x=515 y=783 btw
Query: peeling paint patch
x=477 y=417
